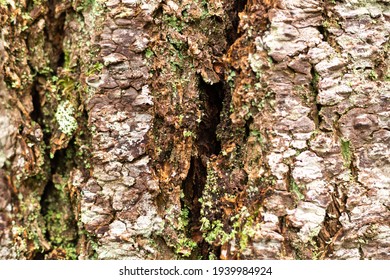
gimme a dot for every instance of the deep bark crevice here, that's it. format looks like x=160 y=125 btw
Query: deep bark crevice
x=324 y=32
x=206 y=145
x=36 y=114
x=316 y=107
x=232 y=34
x=212 y=97
x=44 y=210
x=248 y=127
x=216 y=99
x=192 y=188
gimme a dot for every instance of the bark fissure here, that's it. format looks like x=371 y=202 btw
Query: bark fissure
x=316 y=106
x=206 y=146
x=197 y=86
x=36 y=100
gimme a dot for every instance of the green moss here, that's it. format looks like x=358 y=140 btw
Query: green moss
x=330 y=23
x=56 y=226
x=387 y=76
x=85 y=5
x=95 y=68
x=67 y=85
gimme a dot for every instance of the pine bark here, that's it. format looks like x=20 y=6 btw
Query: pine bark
x=219 y=129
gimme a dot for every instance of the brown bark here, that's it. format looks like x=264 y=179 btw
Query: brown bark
x=194 y=129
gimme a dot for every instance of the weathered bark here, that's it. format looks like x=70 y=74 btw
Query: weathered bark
x=150 y=129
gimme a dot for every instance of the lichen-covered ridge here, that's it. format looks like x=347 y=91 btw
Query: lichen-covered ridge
x=118 y=203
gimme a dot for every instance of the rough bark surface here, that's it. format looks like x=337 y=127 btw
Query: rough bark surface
x=220 y=129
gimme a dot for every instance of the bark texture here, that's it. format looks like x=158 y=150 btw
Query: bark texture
x=219 y=129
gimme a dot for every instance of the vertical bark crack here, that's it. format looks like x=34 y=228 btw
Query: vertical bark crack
x=316 y=107
x=206 y=145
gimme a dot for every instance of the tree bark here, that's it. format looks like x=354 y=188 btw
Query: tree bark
x=219 y=129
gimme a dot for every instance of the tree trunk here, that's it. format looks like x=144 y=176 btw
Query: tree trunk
x=194 y=129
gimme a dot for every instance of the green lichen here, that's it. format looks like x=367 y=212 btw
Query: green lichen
x=256 y=63
x=71 y=252
x=183 y=219
x=212 y=182
x=248 y=231
x=65 y=118
x=244 y=226
x=185 y=245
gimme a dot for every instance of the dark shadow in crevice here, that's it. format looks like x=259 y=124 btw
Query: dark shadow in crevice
x=236 y=7
x=39 y=256
x=207 y=145
x=192 y=188
x=247 y=128
x=316 y=108
x=36 y=113
x=212 y=99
